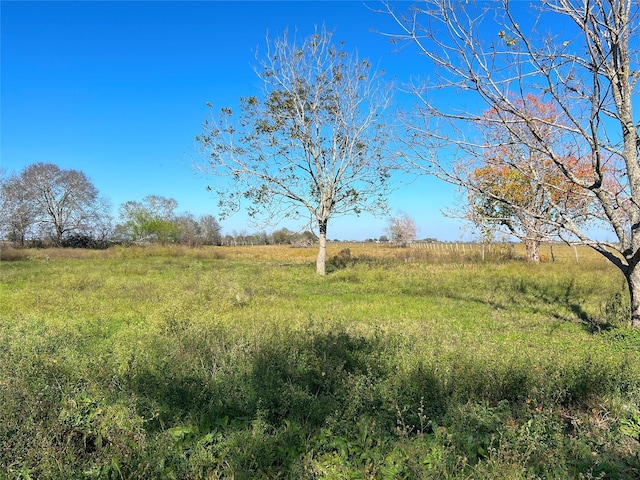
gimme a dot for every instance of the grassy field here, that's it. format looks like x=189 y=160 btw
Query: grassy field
x=242 y=363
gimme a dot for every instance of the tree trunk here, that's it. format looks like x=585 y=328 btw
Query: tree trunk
x=322 y=250
x=58 y=238
x=532 y=249
x=632 y=274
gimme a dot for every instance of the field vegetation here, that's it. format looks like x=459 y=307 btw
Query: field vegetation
x=241 y=362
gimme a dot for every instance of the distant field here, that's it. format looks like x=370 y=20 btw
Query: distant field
x=453 y=251
x=241 y=362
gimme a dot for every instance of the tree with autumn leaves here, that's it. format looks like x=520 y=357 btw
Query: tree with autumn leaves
x=583 y=58
x=516 y=188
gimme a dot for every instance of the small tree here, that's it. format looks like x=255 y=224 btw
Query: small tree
x=188 y=230
x=312 y=145
x=503 y=187
x=402 y=230
x=284 y=236
x=152 y=220
x=210 y=230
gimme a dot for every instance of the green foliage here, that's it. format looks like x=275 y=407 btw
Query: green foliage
x=158 y=363
x=154 y=221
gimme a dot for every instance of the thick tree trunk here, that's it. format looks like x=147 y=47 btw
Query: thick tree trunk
x=632 y=275
x=532 y=249
x=322 y=250
x=58 y=238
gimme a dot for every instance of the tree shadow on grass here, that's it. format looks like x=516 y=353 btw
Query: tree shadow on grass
x=344 y=259
x=267 y=408
x=279 y=405
x=566 y=298
x=561 y=302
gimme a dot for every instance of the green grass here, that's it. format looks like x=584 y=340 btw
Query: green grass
x=243 y=363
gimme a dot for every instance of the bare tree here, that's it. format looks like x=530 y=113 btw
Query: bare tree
x=580 y=55
x=62 y=202
x=18 y=215
x=312 y=145
x=402 y=230
x=189 y=232
x=210 y=230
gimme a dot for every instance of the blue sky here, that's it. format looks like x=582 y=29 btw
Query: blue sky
x=119 y=91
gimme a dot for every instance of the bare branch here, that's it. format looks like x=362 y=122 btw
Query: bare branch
x=313 y=144
x=581 y=57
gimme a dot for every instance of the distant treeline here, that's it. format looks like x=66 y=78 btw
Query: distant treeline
x=44 y=206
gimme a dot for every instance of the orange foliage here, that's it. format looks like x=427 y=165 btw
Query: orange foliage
x=518 y=172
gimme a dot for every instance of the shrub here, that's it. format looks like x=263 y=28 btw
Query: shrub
x=84 y=241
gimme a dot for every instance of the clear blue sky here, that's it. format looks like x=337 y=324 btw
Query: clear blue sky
x=118 y=90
